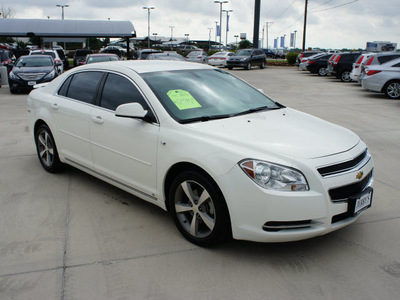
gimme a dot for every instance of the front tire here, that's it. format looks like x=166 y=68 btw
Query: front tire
x=199 y=209
x=248 y=66
x=47 y=150
x=262 y=66
x=392 y=89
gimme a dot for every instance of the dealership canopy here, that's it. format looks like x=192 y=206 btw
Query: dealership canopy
x=66 y=28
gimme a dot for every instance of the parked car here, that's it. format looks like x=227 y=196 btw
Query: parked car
x=7 y=59
x=167 y=55
x=58 y=47
x=197 y=56
x=304 y=55
x=142 y=54
x=269 y=53
x=304 y=61
x=319 y=64
x=101 y=57
x=377 y=59
x=383 y=78
x=246 y=58
x=219 y=59
x=218 y=154
x=356 y=71
x=120 y=51
x=63 y=57
x=30 y=70
x=54 y=55
x=343 y=64
x=280 y=54
x=80 y=56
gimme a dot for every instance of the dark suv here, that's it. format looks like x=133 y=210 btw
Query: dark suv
x=304 y=55
x=80 y=56
x=319 y=65
x=246 y=58
x=343 y=64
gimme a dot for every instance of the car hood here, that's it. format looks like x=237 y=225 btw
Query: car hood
x=17 y=70
x=284 y=131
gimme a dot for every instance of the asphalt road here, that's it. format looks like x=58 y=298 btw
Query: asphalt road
x=72 y=236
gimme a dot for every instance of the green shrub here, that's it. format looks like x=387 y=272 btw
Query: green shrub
x=291 y=57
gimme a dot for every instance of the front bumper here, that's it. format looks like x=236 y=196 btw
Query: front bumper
x=24 y=84
x=262 y=215
x=237 y=63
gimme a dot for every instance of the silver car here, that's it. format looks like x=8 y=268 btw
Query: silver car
x=219 y=59
x=383 y=78
x=377 y=59
x=197 y=56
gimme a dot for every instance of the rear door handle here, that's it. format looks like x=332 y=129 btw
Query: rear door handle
x=98 y=120
x=55 y=106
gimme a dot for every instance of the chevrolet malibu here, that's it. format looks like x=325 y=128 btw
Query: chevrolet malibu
x=222 y=157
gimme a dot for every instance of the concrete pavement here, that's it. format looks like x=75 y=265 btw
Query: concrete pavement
x=72 y=236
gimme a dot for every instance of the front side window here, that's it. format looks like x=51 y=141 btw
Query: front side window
x=193 y=95
x=119 y=90
x=84 y=86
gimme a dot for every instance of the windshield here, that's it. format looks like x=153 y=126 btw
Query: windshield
x=94 y=59
x=192 y=95
x=44 y=53
x=244 y=52
x=34 y=62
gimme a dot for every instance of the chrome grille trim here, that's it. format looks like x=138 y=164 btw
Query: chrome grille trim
x=31 y=76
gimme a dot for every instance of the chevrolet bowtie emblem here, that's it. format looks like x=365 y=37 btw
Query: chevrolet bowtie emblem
x=359 y=175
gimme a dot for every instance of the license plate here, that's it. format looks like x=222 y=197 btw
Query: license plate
x=31 y=82
x=363 y=202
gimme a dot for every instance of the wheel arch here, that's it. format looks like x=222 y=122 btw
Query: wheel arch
x=387 y=83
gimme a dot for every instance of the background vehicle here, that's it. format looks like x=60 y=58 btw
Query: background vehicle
x=343 y=64
x=101 y=57
x=319 y=64
x=54 y=55
x=6 y=59
x=355 y=72
x=63 y=57
x=120 y=51
x=377 y=59
x=167 y=55
x=246 y=58
x=142 y=54
x=304 y=61
x=30 y=70
x=269 y=53
x=219 y=58
x=304 y=55
x=80 y=56
x=197 y=56
x=383 y=78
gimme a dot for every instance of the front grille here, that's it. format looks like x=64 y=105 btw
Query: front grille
x=31 y=76
x=343 y=193
x=344 y=166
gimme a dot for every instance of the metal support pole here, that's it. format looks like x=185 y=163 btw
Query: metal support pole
x=305 y=25
x=256 y=33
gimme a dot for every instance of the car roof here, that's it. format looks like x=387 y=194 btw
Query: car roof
x=147 y=66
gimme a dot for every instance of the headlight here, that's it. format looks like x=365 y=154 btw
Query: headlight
x=274 y=177
x=50 y=75
x=13 y=76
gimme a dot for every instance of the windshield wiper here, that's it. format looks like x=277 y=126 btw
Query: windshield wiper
x=204 y=118
x=256 y=109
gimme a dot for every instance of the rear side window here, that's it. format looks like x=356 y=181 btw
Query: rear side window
x=396 y=65
x=83 y=86
x=383 y=59
x=64 y=88
x=119 y=90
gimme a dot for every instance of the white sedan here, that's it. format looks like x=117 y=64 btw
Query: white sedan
x=219 y=59
x=384 y=78
x=222 y=157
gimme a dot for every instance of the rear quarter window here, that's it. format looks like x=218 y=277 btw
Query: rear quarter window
x=84 y=86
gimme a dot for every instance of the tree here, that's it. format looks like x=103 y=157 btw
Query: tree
x=8 y=12
x=245 y=44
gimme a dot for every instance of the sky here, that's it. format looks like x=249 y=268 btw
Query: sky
x=331 y=24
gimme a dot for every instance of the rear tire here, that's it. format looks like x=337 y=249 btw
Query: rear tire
x=322 y=72
x=199 y=209
x=47 y=150
x=230 y=68
x=345 y=76
x=262 y=66
x=392 y=89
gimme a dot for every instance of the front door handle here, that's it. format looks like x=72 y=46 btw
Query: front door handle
x=98 y=120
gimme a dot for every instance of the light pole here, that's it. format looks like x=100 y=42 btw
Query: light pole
x=172 y=32
x=220 y=19
x=227 y=25
x=267 y=25
x=62 y=9
x=295 y=36
x=216 y=32
x=187 y=38
x=209 y=37
x=236 y=36
x=148 y=22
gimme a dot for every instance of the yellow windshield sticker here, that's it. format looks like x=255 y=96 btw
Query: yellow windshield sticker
x=183 y=99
